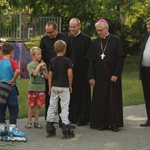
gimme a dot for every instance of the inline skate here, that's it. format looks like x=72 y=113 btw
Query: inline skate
x=67 y=131
x=50 y=129
x=12 y=134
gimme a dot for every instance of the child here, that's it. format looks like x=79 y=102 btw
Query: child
x=60 y=86
x=9 y=72
x=36 y=87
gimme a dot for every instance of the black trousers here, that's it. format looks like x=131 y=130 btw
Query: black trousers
x=146 y=88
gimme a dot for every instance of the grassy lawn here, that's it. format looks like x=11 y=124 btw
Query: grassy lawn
x=131 y=87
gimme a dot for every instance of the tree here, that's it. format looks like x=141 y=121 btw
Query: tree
x=4 y=6
x=125 y=17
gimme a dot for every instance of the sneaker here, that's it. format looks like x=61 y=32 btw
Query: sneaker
x=13 y=131
x=37 y=125
x=28 y=125
x=3 y=133
x=3 y=129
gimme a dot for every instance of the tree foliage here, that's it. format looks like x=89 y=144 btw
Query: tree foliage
x=125 y=17
x=4 y=6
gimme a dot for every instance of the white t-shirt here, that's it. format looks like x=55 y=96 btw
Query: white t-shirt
x=146 y=54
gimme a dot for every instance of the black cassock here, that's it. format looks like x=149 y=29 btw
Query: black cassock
x=80 y=102
x=106 y=109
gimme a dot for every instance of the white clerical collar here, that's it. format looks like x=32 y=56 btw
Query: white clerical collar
x=77 y=33
x=106 y=36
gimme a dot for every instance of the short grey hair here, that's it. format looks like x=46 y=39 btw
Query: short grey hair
x=104 y=24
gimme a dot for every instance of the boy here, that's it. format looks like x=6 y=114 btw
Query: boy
x=8 y=94
x=36 y=87
x=60 y=86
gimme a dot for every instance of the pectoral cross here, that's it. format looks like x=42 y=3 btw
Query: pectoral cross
x=102 y=56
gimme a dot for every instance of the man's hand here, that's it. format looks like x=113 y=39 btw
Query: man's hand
x=92 y=82
x=114 y=79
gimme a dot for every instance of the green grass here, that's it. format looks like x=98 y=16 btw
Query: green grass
x=131 y=87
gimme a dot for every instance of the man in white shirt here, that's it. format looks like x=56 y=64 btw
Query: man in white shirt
x=145 y=70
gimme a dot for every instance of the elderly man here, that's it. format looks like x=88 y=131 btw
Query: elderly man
x=145 y=70
x=106 y=56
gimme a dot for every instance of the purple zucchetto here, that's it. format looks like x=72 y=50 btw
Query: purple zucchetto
x=102 y=20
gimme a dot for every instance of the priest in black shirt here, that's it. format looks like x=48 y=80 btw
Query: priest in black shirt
x=48 y=52
x=80 y=102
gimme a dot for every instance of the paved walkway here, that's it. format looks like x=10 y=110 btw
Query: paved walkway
x=131 y=137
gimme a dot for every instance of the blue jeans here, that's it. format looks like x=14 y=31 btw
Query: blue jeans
x=12 y=105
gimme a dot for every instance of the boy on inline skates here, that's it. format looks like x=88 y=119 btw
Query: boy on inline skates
x=9 y=72
x=60 y=86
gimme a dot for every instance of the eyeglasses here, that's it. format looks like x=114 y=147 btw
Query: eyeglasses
x=50 y=32
x=100 y=30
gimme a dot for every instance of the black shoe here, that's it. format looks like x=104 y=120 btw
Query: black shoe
x=146 y=124
x=115 y=129
x=80 y=124
x=103 y=128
